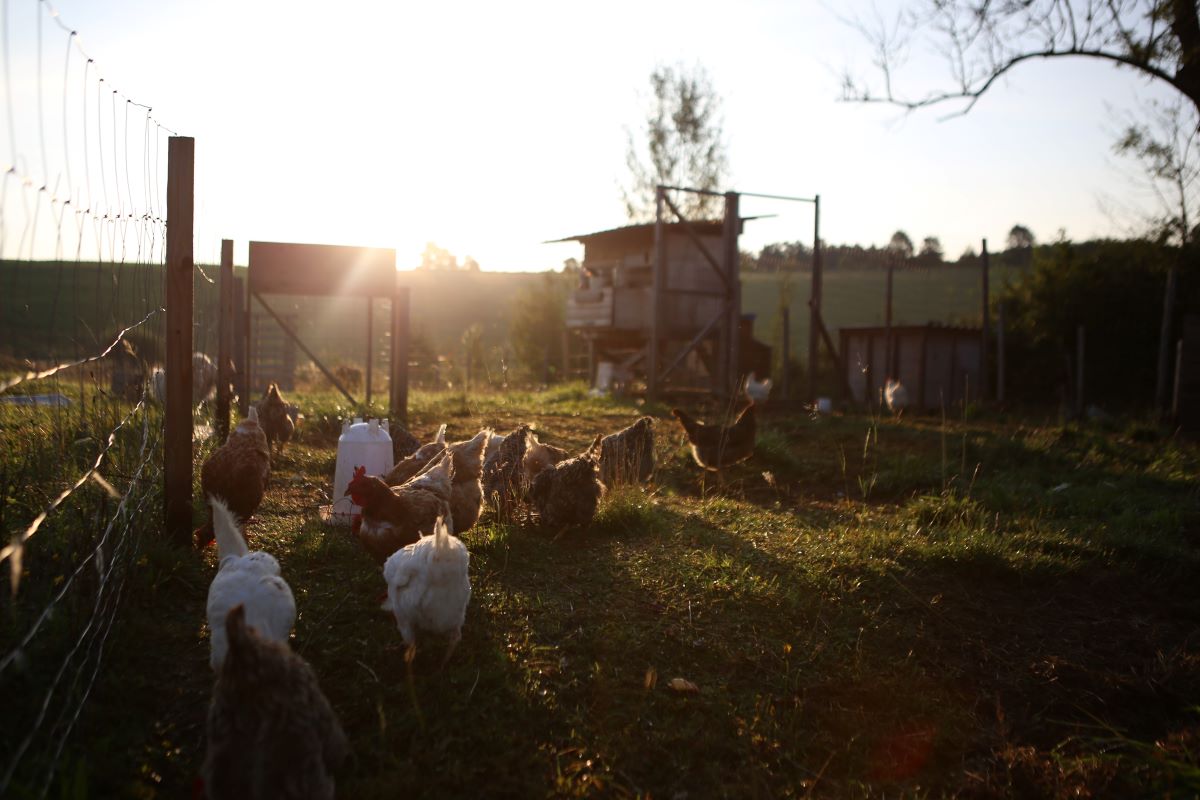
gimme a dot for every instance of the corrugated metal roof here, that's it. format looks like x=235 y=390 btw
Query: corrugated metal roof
x=709 y=226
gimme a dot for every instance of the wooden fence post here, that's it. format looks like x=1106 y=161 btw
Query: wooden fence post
x=239 y=345
x=814 y=303
x=1000 y=353
x=177 y=434
x=399 y=382
x=370 y=346
x=226 y=321
x=785 y=385
x=984 y=330
x=1079 y=358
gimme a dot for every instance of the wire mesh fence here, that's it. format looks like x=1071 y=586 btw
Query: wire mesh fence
x=82 y=246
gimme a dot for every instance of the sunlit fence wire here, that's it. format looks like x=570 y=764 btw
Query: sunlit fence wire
x=82 y=246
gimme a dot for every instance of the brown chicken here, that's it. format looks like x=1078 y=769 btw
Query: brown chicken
x=237 y=472
x=271 y=731
x=627 y=456
x=275 y=419
x=504 y=484
x=539 y=456
x=568 y=492
x=718 y=446
x=409 y=466
x=395 y=517
x=466 y=494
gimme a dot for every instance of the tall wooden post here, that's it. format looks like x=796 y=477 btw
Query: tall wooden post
x=1000 y=353
x=1164 y=341
x=1079 y=358
x=985 y=329
x=888 y=366
x=226 y=322
x=733 y=321
x=658 y=286
x=399 y=379
x=248 y=380
x=177 y=433
x=239 y=345
x=785 y=387
x=814 y=303
x=370 y=345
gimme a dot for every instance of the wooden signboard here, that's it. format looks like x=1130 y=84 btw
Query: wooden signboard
x=322 y=270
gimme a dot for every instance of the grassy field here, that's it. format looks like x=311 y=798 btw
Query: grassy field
x=856 y=297
x=868 y=607
x=334 y=329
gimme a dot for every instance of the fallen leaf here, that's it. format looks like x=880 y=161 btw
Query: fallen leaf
x=683 y=686
x=651 y=678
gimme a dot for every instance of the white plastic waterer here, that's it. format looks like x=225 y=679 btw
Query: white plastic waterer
x=362 y=444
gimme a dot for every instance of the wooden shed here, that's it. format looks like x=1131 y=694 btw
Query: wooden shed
x=939 y=365
x=697 y=298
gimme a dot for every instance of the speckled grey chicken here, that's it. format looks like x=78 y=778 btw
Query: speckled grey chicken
x=404 y=444
x=627 y=456
x=568 y=492
x=504 y=484
x=271 y=731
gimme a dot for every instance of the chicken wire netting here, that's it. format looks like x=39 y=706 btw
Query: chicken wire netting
x=82 y=247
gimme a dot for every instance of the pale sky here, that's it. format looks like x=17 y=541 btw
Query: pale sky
x=489 y=128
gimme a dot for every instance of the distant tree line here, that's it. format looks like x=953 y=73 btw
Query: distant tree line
x=899 y=252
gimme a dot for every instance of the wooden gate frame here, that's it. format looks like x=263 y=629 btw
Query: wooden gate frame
x=315 y=270
x=728 y=318
x=730 y=273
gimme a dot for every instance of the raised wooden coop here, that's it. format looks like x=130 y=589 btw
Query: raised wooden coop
x=675 y=284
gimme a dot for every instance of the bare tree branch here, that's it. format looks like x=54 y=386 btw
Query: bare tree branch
x=983 y=40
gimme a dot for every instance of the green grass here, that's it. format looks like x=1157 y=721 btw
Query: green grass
x=968 y=626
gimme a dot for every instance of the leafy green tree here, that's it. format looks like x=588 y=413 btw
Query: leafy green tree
x=1020 y=238
x=931 y=251
x=539 y=319
x=681 y=144
x=900 y=247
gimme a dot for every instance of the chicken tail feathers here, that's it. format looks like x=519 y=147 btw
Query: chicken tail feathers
x=230 y=541
x=441 y=435
x=441 y=536
x=252 y=414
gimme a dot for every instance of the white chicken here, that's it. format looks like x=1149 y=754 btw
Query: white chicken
x=757 y=390
x=896 y=396
x=429 y=588
x=249 y=578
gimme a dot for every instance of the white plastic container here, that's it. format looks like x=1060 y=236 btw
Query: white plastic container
x=604 y=376
x=362 y=444
x=824 y=405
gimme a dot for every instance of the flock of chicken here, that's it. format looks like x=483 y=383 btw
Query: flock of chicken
x=268 y=716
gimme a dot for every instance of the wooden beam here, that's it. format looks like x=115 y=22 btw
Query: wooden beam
x=291 y=334
x=226 y=321
x=837 y=361
x=658 y=287
x=177 y=433
x=697 y=339
x=733 y=320
x=691 y=234
x=399 y=366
